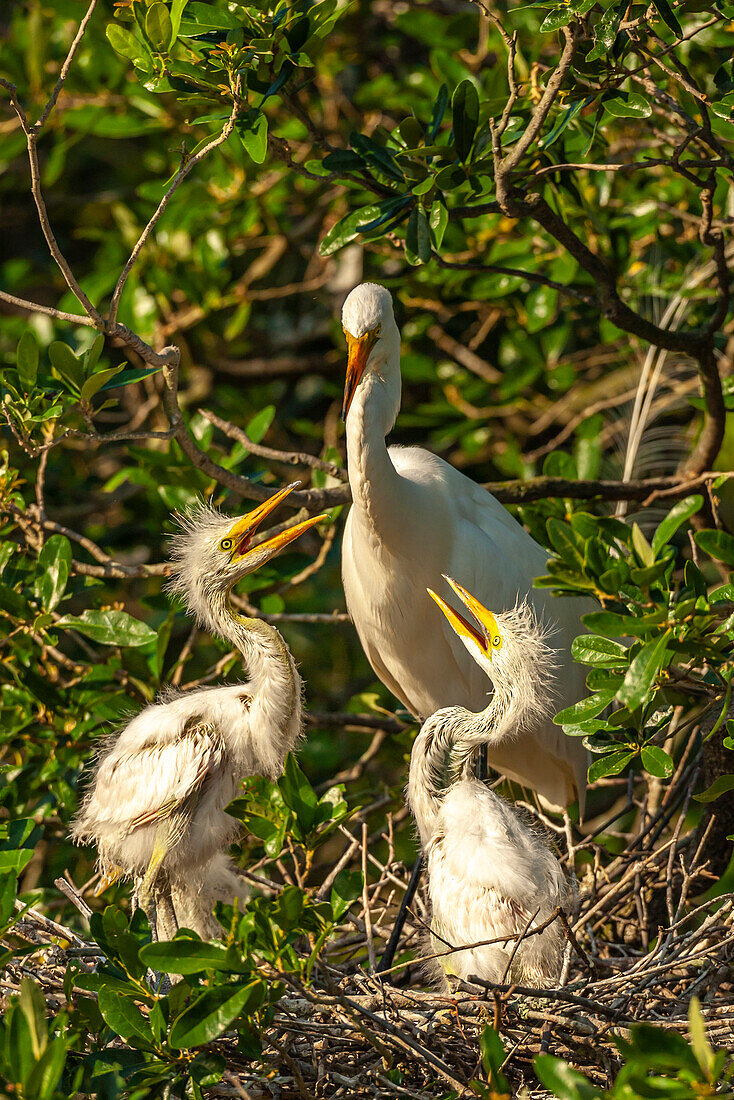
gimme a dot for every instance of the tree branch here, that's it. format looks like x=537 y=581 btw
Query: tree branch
x=180 y=176
x=65 y=69
x=36 y=191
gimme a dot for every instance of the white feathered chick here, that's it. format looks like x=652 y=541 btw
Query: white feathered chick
x=156 y=804
x=490 y=875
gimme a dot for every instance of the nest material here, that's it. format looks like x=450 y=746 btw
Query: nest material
x=644 y=941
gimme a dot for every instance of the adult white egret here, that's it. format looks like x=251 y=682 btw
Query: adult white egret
x=489 y=874
x=414 y=517
x=156 y=806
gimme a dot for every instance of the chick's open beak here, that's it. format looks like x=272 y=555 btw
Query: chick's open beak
x=463 y=626
x=242 y=531
x=359 y=348
x=278 y=542
x=244 y=528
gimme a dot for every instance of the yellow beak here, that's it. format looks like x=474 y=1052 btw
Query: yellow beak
x=359 y=348
x=244 y=528
x=485 y=638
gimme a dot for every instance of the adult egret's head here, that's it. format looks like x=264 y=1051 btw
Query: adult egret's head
x=371 y=332
x=211 y=551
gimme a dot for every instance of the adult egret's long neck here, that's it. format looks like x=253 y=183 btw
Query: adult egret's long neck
x=375 y=484
x=274 y=686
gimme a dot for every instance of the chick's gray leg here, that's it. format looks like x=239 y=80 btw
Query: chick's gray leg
x=166 y=914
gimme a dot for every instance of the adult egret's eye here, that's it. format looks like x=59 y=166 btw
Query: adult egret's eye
x=496 y=641
x=226 y=544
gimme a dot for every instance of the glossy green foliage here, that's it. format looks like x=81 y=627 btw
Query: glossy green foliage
x=351 y=124
x=657 y=1062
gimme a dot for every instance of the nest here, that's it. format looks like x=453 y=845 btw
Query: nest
x=644 y=940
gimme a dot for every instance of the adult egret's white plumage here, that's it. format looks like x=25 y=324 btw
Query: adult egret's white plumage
x=156 y=805
x=490 y=874
x=414 y=517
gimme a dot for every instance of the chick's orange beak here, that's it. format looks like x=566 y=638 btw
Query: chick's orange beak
x=464 y=627
x=359 y=348
x=278 y=542
x=244 y=528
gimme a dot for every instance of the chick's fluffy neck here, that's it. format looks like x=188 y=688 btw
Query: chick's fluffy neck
x=443 y=750
x=273 y=682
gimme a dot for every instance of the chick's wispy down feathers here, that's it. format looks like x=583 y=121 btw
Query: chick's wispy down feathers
x=490 y=874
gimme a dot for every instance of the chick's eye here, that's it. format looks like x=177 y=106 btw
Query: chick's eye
x=225 y=544
x=378 y=330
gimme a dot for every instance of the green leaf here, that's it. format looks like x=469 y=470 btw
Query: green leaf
x=677 y=515
x=128 y=375
x=641 y=546
x=494 y=1055
x=656 y=761
x=27 y=356
x=592 y=649
x=585 y=709
x=185 y=956
x=668 y=17
x=33 y=1007
x=611 y=625
x=417 y=238
x=214 y=1012
x=642 y=672
x=109 y=628
x=718 y=544
x=123 y=1017
x=570 y=114
x=298 y=794
x=345 y=890
x=465 y=107
x=720 y=785
x=612 y=764
x=439 y=110
x=377 y=156
x=125 y=42
x=261 y=421
x=177 y=8
x=556 y=19
x=348 y=228
x=438 y=219
x=252 y=130
x=55 y=562
x=563 y=1081
x=98 y=381
x=630 y=105
x=158 y=26
x=67 y=365
x=699 y=1040
x=605 y=31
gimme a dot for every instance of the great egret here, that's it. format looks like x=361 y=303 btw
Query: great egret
x=414 y=517
x=156 y=807
x=489 y=874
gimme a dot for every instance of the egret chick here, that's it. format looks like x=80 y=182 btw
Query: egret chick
x=490 y=874
x=156 y=805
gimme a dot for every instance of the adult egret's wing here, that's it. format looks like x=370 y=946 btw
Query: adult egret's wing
x=145 y=783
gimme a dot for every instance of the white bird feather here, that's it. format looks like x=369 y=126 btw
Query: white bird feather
x=490 y=875
x=414 y=517
x=155 y=807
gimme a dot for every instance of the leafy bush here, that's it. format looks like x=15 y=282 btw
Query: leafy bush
x=545 y=189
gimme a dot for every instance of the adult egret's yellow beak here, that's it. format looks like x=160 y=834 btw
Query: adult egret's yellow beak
x=488 y=636
x=359 y=348
x=244 y=528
